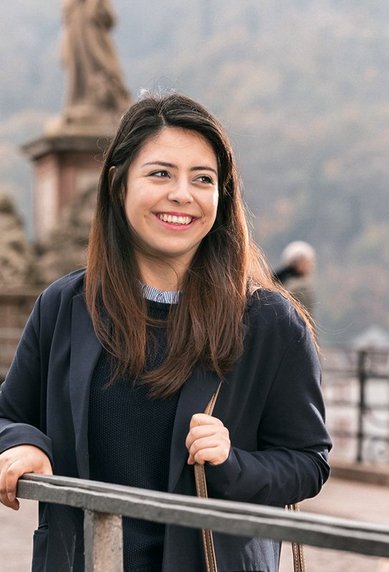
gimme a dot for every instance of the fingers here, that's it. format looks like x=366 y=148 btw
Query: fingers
x=200 y=419
x=207 y=441
x=9 y=475
x=8 y=485
x=14 y=463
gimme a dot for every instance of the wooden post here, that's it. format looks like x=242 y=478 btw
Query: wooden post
x=103 y=539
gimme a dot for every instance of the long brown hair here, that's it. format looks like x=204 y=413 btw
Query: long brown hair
x=206 y=326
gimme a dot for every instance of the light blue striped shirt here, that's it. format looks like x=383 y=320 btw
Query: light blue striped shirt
x=151 y=293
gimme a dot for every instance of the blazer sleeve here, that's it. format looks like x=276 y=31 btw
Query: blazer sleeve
x=22 y=395
x=290 y=463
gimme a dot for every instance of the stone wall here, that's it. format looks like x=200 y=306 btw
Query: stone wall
x=15 y=308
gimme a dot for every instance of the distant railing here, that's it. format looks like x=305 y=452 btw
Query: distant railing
x=356 y=391
x=105 y=504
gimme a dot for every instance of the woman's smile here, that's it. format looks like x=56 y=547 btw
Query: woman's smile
x=176 y=219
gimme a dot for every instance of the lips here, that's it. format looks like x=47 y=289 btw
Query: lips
x=175 y=219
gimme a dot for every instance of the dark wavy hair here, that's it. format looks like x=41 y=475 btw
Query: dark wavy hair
x=206 y=326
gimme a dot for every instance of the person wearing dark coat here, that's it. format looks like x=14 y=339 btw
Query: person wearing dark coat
x=118 y=362
x=296 y=273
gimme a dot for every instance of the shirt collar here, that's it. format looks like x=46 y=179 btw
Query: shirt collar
x=151 y=293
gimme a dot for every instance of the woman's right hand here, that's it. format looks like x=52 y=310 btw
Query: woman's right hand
x=14 y=463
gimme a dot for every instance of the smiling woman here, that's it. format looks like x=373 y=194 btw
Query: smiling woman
x=118 y=362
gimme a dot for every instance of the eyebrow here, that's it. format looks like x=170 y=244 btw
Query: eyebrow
x=172 y=166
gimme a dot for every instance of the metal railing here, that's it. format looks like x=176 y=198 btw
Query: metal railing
x=105 y=504
x=356 y=382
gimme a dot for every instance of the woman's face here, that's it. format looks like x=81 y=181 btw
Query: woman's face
x=172 y=194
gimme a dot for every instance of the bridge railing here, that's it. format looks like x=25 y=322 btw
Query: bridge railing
x=105 y=504
x=356 y=392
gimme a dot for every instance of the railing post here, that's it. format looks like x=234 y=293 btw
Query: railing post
x=103 y=542
x=362 y=377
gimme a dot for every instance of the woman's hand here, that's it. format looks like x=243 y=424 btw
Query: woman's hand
x=207 y=441
x=14 y=463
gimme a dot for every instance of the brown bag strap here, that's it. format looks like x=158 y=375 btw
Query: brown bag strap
x=201 y=488
x=207 y=536
x=297 y=549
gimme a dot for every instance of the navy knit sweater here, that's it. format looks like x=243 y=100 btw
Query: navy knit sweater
x=129 y=444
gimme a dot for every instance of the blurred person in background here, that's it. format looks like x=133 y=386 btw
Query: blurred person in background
x=296 y=272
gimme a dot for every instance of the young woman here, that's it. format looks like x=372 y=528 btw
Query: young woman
x=118 y=362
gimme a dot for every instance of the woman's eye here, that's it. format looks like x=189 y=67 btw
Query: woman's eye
x=205 y=179
x=161 y=174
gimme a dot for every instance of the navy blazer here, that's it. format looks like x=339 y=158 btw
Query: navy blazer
x=270 y=401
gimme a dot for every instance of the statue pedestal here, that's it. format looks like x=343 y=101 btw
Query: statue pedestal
x=66 y=160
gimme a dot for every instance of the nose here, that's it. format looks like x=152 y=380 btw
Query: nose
x=180 y=192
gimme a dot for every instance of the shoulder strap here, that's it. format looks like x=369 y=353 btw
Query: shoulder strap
x=297 y=549
x=201 y=488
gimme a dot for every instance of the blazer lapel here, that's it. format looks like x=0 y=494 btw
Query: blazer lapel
x=194 y=397
x=85 y=351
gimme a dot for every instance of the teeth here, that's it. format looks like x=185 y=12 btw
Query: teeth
x=173 y=219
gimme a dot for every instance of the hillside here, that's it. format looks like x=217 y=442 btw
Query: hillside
x=302 y=87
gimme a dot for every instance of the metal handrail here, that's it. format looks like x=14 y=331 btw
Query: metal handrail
x=222 y=516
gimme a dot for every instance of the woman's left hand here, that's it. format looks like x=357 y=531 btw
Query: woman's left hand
x=207 y=441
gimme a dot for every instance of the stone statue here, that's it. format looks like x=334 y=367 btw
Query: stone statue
x=95 y=83
x=17 y=261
